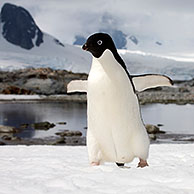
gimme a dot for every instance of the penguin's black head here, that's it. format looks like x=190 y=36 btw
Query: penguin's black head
x=98 y=43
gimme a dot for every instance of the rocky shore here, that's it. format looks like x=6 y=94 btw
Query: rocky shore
x=51 y=85
x=41 y=81
x=181 y=93
x=9 y=136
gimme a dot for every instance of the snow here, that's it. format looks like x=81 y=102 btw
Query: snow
x=63 y=169
x=176 y=65
x=20 y=97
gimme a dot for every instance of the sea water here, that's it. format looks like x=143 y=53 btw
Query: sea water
x=177 y=119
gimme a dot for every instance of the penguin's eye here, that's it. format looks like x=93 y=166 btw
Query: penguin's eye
x=99 y=42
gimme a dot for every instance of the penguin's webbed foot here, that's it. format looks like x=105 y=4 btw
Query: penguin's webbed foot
x=95 y=163
x=142 y=163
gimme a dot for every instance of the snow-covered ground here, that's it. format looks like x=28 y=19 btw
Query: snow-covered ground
x=62 y=169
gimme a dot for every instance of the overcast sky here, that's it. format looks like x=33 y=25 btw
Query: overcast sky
x=171 y=20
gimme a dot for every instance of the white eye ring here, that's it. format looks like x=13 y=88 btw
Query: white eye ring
x=99 y=42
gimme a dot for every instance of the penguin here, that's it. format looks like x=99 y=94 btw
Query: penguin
x=116 y=132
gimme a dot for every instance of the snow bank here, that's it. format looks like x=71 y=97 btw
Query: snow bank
x=19 y=97
x=61 y=170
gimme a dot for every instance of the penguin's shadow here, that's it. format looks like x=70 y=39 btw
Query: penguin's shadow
x=125 y=167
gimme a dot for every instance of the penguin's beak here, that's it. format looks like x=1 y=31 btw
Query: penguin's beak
x=85 y=47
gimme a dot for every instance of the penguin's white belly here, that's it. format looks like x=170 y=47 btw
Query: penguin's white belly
x=113 y=114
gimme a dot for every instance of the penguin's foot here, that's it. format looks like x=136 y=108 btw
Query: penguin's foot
x=95 y=163
x=142 y=163
x=120 y=164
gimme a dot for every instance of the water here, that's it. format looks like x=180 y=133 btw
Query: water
x=176 y=119
x=22 y=113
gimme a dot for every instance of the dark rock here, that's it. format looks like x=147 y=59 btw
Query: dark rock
x=69 y=133
x=160 y=125
x=62 y=123
x=16 y=90
x=183 y=138
x=58 y=42
x=158 y=43
x=43 y=125
x=77 y=133
x=183 y=89
x=19 y=28
x=152 y=136
x=74 y=140
x=79 y=40
x=24 y=126
x=60 y=141
x=152 y=129
x=189 y=140
x=43 y=81
x=7 y=129
x=6 y=137
x=134 y=39
x=9 y=137
x=2 y=143
x=14 y=138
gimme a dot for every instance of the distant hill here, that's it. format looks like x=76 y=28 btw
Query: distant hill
x=23 y=44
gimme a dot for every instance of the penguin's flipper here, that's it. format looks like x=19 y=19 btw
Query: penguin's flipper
x=77 y=86
x=143 y=82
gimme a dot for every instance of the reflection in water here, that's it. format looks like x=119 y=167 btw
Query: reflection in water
x=20 y=113
x=175 y=118
x=17 y=114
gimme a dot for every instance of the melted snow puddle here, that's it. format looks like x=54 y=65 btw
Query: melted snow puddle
x=176 y=119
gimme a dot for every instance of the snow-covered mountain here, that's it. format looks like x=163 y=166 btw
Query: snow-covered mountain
x=23 y=44
x=122 y=40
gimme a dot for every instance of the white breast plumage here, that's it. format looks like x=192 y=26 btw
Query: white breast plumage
x=113 y=112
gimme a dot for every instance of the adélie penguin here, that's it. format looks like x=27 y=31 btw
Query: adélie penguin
x=116 y=132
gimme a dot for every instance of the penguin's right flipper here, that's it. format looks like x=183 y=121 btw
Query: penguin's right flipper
x=77 y=86
x=143 y=82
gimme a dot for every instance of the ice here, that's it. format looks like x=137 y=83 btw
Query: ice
x=65 y=169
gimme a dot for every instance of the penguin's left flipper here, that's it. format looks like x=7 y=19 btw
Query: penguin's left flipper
x=77 y=86
x=143 y=82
